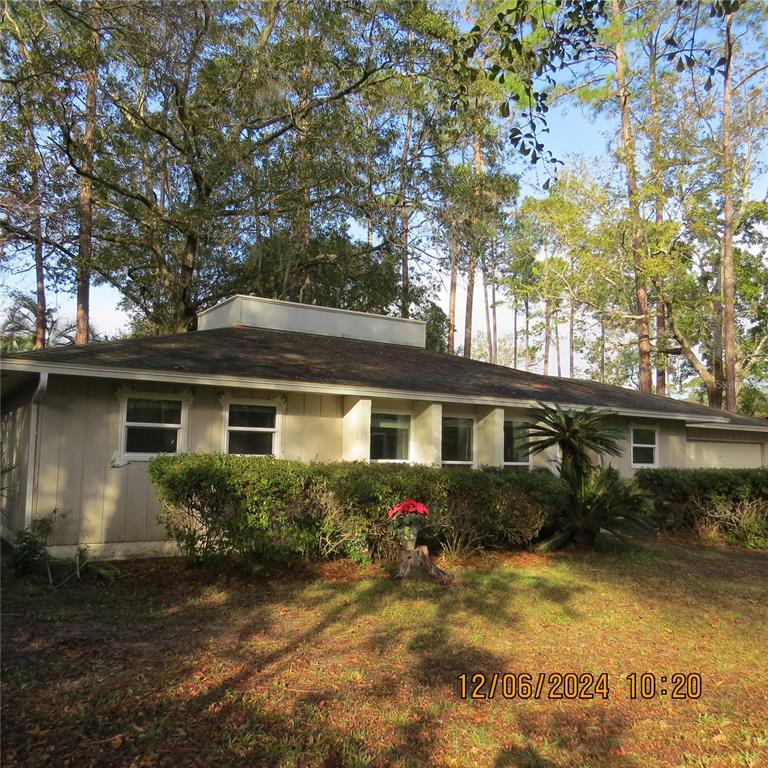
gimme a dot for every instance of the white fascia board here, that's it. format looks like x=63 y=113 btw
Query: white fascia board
x=729 y=426
x=251 y=382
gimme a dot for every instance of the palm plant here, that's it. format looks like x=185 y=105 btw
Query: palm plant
x=599 y=500
x=576 y=433
x=17 y=328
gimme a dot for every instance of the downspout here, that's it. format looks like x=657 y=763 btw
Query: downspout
x=42 y=385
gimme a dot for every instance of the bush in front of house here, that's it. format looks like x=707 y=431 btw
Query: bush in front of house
x=724 y=504
x=267 y=509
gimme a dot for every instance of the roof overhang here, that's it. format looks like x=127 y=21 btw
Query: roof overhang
x=728 y=425
x=251 y=382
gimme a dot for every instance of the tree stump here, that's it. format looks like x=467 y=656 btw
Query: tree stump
x=418 y=559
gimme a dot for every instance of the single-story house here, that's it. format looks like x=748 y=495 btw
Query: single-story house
x=301 y=382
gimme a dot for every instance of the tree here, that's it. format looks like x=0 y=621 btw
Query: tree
x=20 y=326
x=216 y=125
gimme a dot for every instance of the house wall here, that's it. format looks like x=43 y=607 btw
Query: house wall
x=725 y=448
x=101 y=500
x=109 y=504
x=670 y=448
x=15 y=448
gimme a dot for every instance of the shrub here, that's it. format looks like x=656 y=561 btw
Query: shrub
x=29 y=554
x=743 y=522
x=727 y=504
x=599 y=499
x=266 y=509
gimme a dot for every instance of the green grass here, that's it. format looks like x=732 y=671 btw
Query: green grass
x=343 y=667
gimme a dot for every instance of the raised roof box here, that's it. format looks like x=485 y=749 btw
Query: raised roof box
x=305 y=318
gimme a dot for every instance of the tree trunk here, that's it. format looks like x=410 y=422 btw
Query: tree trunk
x=405 y=301
x=473 y=251
x=547 y=334
x=556 y=330
x=185 y=310
x=602 y=349
x=488 y=332
x=471 y=269
x=411 y=560
x=658 y=180
x=527 y=306
x=37 y=231
x=571 y=344
x=454 y=256
x=729 y=289
x=715 y=393
x=514 y=334
x=711 y=382
x=85 y=197
x=494 y=319
x=629 y=160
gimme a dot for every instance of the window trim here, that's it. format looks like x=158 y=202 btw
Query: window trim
x=473 y=419
x=528 y=461
x=393 y=412
x=277 y=441
x=124 y=394
x=633 y=444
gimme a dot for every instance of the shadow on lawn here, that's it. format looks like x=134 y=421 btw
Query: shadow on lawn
x=706 y=578
x=188 y=670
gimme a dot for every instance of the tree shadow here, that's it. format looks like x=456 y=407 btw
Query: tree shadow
x=185 y=668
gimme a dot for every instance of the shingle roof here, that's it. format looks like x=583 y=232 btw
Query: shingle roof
x=298 y=357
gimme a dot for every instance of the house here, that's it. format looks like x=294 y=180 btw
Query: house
x=300 y=382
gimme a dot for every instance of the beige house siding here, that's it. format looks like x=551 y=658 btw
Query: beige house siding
x=101 y=499
x=725 y=448
x=15 y=448
x=107 y=502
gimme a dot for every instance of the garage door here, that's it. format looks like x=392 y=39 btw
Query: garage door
x=711 y=453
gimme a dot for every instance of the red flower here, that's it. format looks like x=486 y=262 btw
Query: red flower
x=408 y=507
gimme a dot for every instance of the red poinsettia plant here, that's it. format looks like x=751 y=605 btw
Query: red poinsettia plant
x=409 y=517
x=408 y=507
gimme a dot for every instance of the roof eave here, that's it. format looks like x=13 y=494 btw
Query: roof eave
x=251 y=382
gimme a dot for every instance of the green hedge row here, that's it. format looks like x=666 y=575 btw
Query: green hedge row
x=731 y=504
x=267 y=509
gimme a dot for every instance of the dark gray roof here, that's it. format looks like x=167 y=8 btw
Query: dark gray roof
x=287 y=356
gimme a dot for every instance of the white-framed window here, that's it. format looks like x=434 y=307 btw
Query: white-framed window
x=515 y=442
x=251 y=427
x=390 y=437
x=458 y=440
x=645 y=448
x=152 y=423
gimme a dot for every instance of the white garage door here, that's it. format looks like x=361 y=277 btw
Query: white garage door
x=711 y=453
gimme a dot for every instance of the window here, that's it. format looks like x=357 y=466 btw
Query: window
x=457 y=440
x=152 y=424
x=251 y=429
x=390 y=437
x=515 y=442
x=644 y=447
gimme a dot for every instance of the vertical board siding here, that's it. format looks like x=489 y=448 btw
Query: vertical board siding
x=15 y=426
x=100 y=500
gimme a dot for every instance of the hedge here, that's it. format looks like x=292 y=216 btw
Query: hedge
x=731 y=504
x=266 y=509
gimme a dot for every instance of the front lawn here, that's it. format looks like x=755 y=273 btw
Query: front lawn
x=176 y=667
